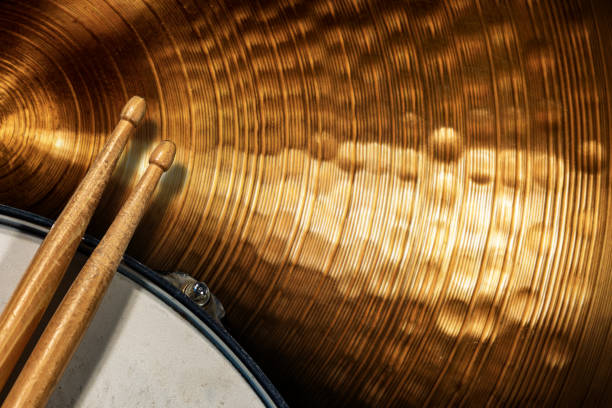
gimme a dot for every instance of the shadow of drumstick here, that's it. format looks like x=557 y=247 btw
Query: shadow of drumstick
x=95 y=346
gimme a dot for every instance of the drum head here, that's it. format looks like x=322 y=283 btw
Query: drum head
x=148 y=344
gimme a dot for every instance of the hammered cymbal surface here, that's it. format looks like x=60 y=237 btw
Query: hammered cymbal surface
x=398 y=202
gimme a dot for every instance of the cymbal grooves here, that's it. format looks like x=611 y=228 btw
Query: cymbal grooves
x=399 y=203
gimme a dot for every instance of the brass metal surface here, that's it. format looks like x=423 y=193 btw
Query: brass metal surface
x=397 y=202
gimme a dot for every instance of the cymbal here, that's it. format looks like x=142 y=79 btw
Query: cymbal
x=398 y=203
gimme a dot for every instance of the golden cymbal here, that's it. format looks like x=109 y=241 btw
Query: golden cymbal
x=397 y=202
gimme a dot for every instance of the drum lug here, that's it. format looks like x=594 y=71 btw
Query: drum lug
x=197 y=292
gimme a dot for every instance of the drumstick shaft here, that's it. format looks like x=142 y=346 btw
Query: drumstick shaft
x=37 y=286
x=66 y=328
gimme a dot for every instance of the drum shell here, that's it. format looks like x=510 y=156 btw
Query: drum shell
x=129 y=354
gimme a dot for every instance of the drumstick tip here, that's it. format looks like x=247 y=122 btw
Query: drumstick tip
x=134 y=110
x=163 y=154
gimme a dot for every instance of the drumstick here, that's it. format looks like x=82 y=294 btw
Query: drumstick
x=66 y=328
x=40 y=281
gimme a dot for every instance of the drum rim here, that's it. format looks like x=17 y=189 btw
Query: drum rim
x=86 y=247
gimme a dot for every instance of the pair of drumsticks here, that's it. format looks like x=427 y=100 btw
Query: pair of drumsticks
x=66 y=328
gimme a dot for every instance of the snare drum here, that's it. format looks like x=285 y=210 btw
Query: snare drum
x=148 y=345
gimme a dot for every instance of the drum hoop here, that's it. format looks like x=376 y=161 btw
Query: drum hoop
x=155 y=284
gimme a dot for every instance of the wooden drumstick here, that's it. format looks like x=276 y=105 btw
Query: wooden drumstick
x=66 y=328
x=40 y=281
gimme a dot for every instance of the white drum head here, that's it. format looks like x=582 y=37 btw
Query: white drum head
x=147 y=346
